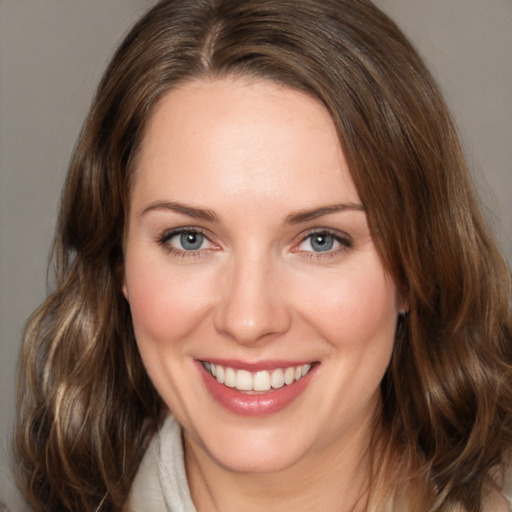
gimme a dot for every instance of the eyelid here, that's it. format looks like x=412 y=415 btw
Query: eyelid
x=343 y=238
x=166 y=235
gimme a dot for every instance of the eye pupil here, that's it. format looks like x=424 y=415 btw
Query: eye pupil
x=322 y=242
x=191 y=241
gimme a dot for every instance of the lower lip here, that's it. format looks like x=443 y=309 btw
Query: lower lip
x=261 y=404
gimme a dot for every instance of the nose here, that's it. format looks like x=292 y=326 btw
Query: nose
x=252 y=308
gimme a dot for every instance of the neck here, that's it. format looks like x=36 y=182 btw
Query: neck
x=334 y=479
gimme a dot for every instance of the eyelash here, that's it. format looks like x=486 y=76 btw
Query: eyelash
x=344 y=240
x=166 y=236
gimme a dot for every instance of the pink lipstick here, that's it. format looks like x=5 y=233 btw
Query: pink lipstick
x=255 y=389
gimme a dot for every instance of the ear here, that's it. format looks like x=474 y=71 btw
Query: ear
x=402 y=304
x=122 y=279
x=125 y=289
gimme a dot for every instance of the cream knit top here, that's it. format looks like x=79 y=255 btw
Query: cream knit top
x=161 y=482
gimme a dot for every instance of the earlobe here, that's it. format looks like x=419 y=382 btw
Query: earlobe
x=125 y=289
x=402 y=304
x=122 y=278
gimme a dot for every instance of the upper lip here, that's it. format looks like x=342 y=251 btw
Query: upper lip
x=253 y=366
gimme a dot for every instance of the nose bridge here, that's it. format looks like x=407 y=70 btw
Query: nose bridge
x=251 y=306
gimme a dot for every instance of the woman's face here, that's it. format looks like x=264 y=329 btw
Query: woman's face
x=248 y=255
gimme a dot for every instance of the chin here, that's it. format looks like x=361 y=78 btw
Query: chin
x=252 y=450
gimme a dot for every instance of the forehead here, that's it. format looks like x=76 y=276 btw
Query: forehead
x=235 y=137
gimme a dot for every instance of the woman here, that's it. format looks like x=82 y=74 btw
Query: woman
x=274 y=284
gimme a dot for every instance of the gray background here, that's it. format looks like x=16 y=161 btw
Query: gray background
x=52 y=53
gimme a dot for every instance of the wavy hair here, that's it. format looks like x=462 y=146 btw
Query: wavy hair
x=86 y=407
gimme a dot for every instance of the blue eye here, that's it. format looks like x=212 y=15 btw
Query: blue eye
x=184 y=241
x=191 y=241
x=323 y=242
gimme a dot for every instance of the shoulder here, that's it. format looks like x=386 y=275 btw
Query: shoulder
x=506 y=488
x=161 y=483
x=497 y=502
x=145 y=493
x=500 y=497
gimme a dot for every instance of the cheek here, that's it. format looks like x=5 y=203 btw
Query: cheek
x=165 y=304
x=354 y=306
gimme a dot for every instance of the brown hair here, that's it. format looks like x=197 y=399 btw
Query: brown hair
x=86 y=406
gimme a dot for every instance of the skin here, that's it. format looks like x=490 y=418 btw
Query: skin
x=254 y=153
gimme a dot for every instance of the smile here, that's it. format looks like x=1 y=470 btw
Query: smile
x=259 y=381
x=248 y=389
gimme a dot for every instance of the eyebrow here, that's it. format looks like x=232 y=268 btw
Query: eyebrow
x=185 y=209
x=305 y=215
x=211 y=216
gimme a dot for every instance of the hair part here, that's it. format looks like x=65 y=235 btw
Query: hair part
x=87 y=408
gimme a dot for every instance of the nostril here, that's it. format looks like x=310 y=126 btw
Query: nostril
x=250 y=310
x=251 y=325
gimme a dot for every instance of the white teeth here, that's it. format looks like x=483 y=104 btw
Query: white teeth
x=263 y=380
x=305 y=369
x=220 y=374
x=289 y=375
x=277 y=378
x=243 y=380
x=230 y=378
